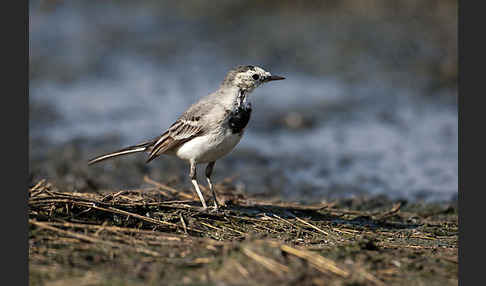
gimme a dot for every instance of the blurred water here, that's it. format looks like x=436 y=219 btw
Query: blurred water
x=375 y=135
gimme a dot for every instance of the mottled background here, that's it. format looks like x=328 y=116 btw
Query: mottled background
x=369 y=106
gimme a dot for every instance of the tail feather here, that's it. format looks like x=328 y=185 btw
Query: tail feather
x=125 y=151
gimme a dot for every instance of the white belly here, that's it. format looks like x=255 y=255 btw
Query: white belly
x=208 y=148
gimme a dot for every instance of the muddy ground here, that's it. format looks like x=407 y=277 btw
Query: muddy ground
x=159 y=235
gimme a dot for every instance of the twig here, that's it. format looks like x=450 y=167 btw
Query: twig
x=319 y=262
x=40 y=183
x=39 y=187
x=391 y=212
x=288 y=222
x=311 y=225
x=266 y=262
x=183 y=223
x=241 y=269
x=211 y=226
x=158 y=235
x=342 y=230
x=89 y=238
x=102 y=227
x=144 y=218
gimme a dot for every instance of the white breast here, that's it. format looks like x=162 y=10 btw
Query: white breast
x=208 y=148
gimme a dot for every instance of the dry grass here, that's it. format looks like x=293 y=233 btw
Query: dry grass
x=160 y=235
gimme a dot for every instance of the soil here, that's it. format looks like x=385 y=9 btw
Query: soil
x=160 y=235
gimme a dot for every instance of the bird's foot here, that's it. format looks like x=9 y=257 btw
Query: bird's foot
x=216 y=205
x=216 y=208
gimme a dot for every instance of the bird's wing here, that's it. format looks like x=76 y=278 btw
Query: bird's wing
x=183 y=130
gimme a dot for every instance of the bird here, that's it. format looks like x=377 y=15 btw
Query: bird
x=209 y=129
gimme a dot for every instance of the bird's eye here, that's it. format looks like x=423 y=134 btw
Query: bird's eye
x=255 y=77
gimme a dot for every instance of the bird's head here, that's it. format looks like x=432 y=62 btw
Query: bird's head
x=248 y=78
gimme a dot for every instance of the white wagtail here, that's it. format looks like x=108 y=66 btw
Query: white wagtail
x=209 y=129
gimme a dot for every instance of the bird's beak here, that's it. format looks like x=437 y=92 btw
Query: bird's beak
x=274 y=77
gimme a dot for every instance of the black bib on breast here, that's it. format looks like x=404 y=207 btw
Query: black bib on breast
x=238 y=119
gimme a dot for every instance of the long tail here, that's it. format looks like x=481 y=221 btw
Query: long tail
x=125 y=151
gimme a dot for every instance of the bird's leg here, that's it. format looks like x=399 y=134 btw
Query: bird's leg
x=209 y=171
x=196 y=186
